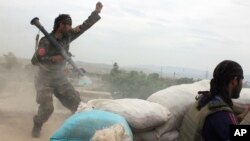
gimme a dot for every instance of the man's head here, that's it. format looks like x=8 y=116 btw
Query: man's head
x=63 y=23
x=227 y=78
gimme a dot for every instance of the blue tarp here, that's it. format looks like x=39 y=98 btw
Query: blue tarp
x=82 y=126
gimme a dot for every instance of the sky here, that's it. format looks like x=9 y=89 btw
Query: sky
x=184 y=33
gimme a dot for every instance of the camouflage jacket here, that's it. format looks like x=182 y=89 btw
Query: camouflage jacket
x=45 y=62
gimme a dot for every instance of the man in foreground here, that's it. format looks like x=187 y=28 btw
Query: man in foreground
x=209 y=118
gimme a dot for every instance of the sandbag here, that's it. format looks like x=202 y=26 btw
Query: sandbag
x=146 y=136
x=141 y=115
x=153 y=136
x=83 y=125
x=177 y=99
x=244 y=96
x=246 y=120
x=174 y=123
x=170 y=136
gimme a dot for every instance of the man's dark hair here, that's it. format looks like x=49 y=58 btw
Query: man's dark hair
x=223 y=73
x=62 y=18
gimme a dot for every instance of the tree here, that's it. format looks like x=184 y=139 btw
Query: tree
x=153 y=76
x=184 y=80
x=115 y=70
x=134 y=84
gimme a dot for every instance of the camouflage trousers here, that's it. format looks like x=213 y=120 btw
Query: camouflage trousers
x=46 y=85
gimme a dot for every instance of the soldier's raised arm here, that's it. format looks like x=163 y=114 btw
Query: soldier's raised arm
x=92 y=19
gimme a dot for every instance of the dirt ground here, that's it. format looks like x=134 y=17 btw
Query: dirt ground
x=17 y=107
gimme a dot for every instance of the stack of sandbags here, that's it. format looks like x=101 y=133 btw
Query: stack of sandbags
x=141 y=115
x=176 y=99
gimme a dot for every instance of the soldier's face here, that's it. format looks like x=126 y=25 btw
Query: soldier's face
x=66 y=29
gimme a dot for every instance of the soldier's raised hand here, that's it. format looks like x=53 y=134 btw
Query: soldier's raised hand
x=98 y=7
x=57 y=59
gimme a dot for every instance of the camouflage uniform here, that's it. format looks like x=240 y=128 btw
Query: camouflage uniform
x=50 y=77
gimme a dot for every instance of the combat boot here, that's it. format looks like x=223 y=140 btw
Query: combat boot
x=36 y=130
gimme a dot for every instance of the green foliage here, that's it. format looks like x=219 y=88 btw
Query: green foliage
x=184 y=80
x=136 y=84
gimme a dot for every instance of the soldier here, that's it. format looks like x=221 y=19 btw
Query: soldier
x=210 y=117
x=50 y=77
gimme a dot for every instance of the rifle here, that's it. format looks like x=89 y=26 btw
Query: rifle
x=35 y=21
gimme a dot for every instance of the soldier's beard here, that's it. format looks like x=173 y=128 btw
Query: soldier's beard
x=66 y=33
x=236 y=92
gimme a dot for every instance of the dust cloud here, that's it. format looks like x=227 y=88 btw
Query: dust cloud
x=18 y=106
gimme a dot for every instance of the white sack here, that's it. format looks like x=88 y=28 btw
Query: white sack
x=153 y=136
x=244 y=97
x=177 y=99
x=246 y=120
x=141 y=114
